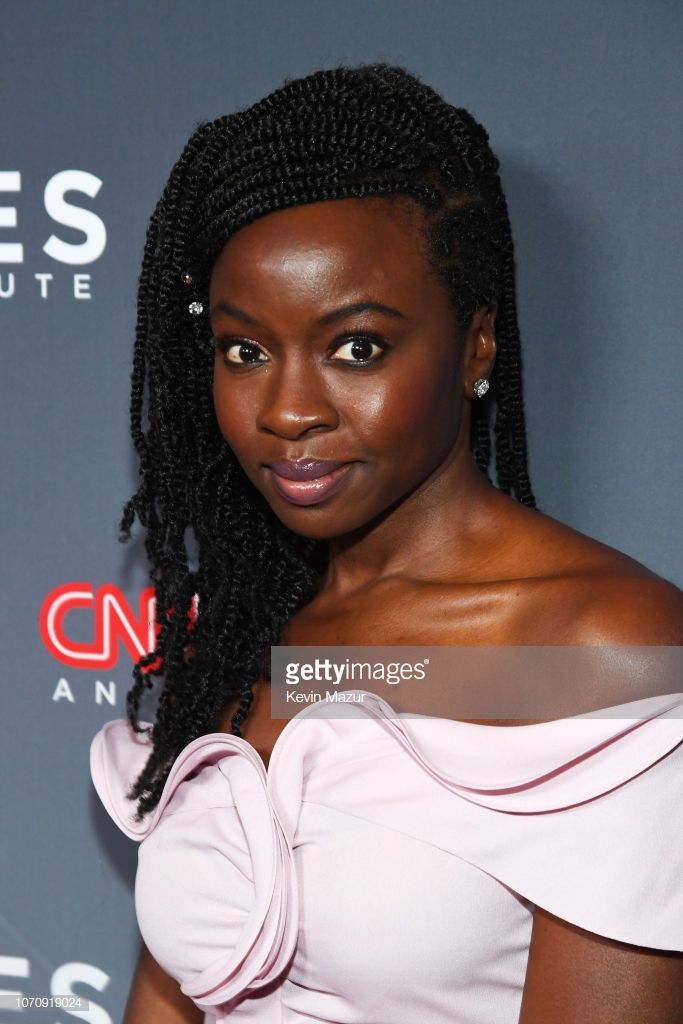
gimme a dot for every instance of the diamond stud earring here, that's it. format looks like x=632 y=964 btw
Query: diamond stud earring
x=480 y=387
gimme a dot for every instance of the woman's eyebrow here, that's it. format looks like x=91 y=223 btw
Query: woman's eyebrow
x=228 y=310
x=360 y=307
x=328 y=318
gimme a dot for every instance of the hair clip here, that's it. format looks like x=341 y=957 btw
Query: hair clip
x=195 y=308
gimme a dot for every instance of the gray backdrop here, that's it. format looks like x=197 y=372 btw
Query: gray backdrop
x=583 y=105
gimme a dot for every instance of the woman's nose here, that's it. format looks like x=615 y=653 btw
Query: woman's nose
x=295 y=401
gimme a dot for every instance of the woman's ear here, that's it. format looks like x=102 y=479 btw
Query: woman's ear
x=479 y=354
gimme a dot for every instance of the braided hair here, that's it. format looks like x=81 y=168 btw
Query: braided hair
x=228 y=574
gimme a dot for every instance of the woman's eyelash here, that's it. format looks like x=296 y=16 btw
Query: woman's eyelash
x=225 y=344
x=367 y=337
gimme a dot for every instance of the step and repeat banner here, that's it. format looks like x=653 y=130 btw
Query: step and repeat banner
x=97 y=102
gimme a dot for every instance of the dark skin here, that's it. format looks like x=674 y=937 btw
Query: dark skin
x=423 y=550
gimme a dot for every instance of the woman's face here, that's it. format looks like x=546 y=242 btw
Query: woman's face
x=336 y=343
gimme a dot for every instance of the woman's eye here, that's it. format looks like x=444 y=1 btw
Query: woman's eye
x=240 y=352
x=360 y=350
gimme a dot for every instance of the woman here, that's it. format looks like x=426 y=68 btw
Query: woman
x=328 y=278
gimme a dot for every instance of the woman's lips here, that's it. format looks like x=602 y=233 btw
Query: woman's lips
x=309 y=492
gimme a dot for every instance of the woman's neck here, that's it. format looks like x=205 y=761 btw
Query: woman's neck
x=442 y=528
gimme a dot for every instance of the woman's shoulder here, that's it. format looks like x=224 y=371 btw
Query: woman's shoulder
x=585 y=592
x=528 y=579
x=549 y=585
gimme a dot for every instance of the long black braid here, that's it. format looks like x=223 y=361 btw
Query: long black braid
x=372 y=130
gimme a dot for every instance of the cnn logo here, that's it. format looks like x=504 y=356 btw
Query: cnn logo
x=115 y=625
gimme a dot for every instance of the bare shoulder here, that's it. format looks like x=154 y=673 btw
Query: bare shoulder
x=595 y=594
x=628 y=609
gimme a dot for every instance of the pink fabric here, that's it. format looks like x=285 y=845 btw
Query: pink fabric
x=386 y=867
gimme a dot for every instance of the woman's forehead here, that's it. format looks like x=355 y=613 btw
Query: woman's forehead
x=331 y=242
x=336 y=220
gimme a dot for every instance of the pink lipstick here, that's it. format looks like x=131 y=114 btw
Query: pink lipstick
x=308 y=481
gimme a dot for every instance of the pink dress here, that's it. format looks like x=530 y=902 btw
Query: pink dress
x=384 y=870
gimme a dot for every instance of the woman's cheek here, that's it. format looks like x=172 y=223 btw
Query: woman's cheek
x=405 y=411
x=231 y=417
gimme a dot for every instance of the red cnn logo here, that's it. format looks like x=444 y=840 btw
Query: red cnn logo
x=114 y=622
